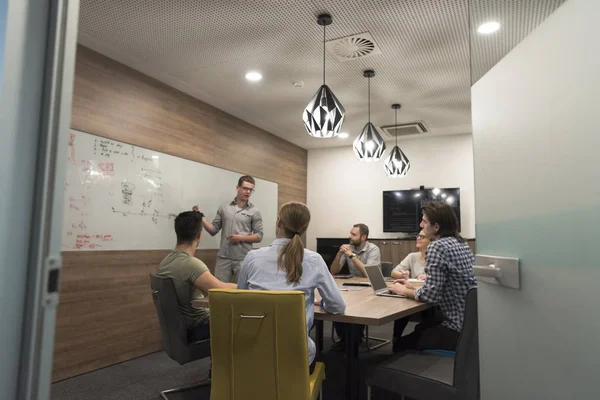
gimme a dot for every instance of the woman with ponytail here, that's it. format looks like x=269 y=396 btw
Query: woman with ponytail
x=287 y=265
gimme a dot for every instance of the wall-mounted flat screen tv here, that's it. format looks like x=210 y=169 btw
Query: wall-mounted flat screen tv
x=402 y=208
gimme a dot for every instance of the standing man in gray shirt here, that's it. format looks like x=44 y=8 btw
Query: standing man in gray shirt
x=241 y=225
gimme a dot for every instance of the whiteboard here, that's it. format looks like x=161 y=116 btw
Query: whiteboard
x=123 y=197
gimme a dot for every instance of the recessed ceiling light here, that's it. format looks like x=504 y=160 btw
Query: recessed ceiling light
x=488 y=27
x=343 y=135
x=253 y=76
x=155 y=157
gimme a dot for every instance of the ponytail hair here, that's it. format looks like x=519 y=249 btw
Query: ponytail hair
x=293 y=221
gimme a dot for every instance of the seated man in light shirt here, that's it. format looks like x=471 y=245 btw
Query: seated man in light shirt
x=413 y=265
x=356 y=254
x=287 y=265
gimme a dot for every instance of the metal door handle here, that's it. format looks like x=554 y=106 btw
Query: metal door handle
x=502 y=271
x=489 y=271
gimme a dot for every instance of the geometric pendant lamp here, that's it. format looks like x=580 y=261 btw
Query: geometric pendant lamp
x=396 y=164
x=324 y=115
x=369 y=145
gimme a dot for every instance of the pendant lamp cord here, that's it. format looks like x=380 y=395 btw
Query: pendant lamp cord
x=369 y=99
x=396 y=124
x=323 y=54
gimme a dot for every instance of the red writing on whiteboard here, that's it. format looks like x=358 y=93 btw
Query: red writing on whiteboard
x=75 y=203
x=87 y=166
x=102 y=237
x=71 y=147
x=91 y=241
x=80 y=225
x=106 y=168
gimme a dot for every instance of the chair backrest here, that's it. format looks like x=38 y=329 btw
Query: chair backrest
x=386 y=268
x=172 y=325
x=258 y=344
x=466 y=362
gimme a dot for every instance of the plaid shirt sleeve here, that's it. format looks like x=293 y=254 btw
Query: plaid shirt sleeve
x=431 y=291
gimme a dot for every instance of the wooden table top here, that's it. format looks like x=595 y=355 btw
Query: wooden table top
x=362 y=306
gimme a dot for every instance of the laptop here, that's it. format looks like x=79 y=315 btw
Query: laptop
x=378 y=282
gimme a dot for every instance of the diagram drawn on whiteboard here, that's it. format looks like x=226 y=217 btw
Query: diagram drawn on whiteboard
x=124 y=197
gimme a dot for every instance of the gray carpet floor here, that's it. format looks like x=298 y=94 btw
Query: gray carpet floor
x=143 y=378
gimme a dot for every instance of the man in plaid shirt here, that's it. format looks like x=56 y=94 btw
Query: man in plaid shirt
x=449 y=267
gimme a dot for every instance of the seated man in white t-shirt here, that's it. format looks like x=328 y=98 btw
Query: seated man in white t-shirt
x=413 y=265
x=191 y=276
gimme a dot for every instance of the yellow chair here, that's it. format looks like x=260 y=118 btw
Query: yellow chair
x=259 y=347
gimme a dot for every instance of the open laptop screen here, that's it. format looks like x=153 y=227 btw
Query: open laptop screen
x=375 y=276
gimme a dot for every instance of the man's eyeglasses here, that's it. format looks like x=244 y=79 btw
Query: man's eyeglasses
x=247 y=189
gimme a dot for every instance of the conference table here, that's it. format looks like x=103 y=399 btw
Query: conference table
x=363 y=307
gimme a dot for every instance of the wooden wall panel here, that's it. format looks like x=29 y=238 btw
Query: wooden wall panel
x=116 y=102
x=106 y=313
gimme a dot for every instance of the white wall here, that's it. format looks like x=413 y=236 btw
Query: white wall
x=343 y=191
x=536 y=141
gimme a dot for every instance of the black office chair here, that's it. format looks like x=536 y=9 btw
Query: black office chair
x=424 y=376
x=173 y=330
x=386 y=268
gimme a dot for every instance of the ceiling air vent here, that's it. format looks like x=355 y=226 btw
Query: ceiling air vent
x=412 y=128
x=353 y=47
